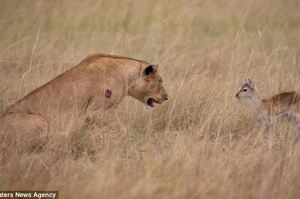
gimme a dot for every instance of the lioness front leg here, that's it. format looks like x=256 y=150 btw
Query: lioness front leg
x=116 y=131
x=104 y=129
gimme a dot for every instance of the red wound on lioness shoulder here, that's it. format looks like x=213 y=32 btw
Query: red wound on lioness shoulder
x=108 y=93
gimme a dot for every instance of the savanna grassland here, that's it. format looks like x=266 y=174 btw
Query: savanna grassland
x=201 y=143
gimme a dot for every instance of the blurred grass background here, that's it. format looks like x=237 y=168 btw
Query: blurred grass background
x=202 y=143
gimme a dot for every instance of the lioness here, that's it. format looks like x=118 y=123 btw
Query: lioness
x=96 y=86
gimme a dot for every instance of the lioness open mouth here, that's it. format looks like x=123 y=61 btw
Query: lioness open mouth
x=151 y=101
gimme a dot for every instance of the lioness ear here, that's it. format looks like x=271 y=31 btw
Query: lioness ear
x=150 y=69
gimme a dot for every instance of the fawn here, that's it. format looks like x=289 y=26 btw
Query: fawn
x=282 y=105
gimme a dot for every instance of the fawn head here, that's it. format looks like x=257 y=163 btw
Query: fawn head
x=246 y=91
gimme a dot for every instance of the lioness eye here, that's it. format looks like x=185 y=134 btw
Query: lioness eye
x=244 y=89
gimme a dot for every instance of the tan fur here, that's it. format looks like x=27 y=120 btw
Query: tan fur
x=286 y=104
x=65 y=104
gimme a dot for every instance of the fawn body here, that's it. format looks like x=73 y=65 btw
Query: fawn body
x=283 y=105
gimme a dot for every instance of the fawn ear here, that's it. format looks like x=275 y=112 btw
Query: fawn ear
x=250 y=83
x=246 y=80
x=149 y=70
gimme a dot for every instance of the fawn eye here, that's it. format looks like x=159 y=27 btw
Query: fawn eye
x=244 y=90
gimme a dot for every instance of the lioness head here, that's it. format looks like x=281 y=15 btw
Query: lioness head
x=149 y=88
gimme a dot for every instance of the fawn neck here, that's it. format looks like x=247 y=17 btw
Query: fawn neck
x=258 y=106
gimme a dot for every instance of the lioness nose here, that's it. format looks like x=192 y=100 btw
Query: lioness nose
x=166 y=97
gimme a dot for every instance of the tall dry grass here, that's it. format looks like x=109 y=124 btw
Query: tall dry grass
x=202 y=143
